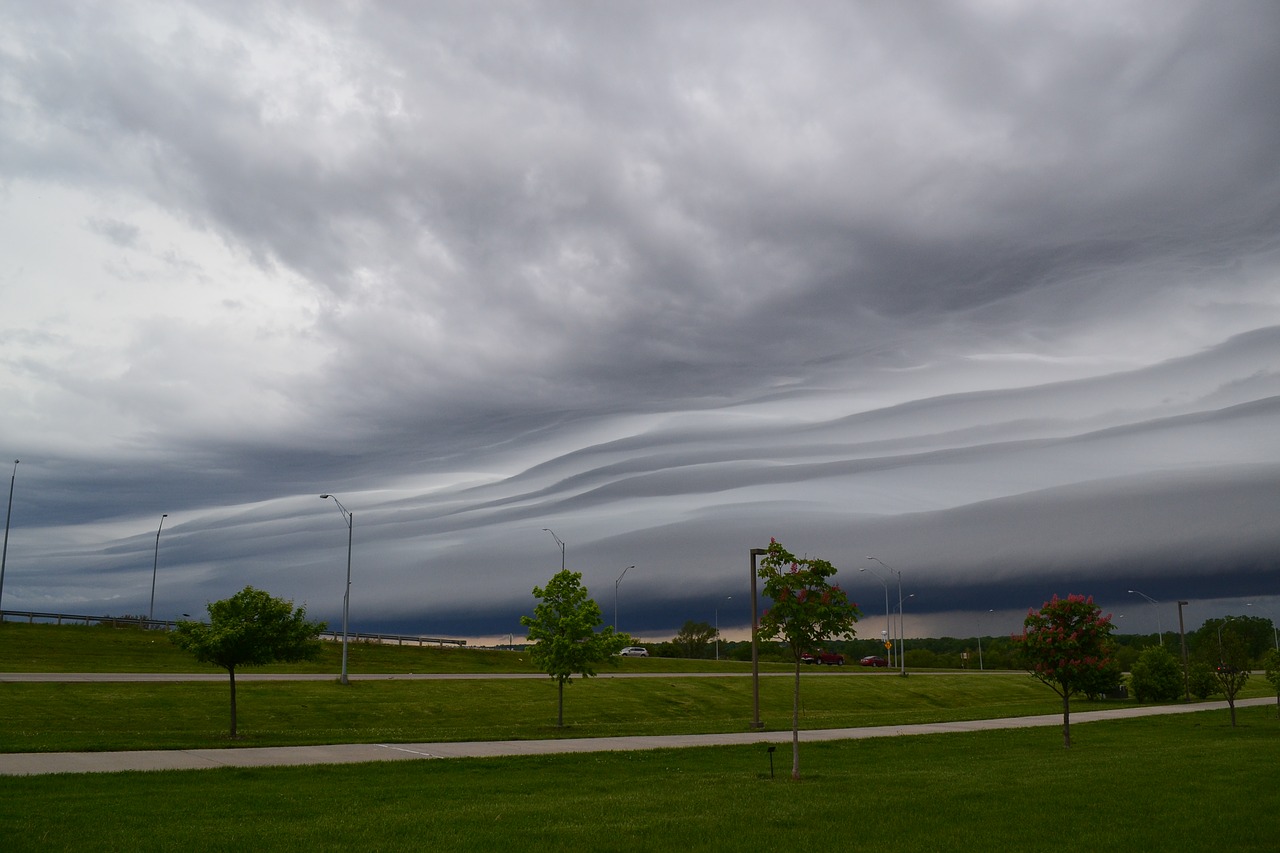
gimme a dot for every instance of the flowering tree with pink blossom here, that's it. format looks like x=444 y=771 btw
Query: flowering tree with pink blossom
x=807 y=609
x=1065 y=644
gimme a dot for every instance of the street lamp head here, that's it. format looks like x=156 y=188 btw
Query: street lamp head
x=322 y=497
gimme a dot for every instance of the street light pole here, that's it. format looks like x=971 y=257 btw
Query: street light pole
x=155 y=563
x=558 y=542
x=350 y=520
x=4 y=555
x=902 y=642
x=755 y=642
x=888 y=634
x=980 y=615
x=727 y=598
x=1156 y=605
x=1182 y=634
x=615 y=596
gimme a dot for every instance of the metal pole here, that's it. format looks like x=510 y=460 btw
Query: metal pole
x=902 y=640
x=1182 y=633
x=558 y=542
x=155 y=563
x=615 y=596
x=902 y=661
x=980 y=615
x=726 y=598
x=350 y=519
x=1156 y=605
x=755 y=643
x=888 y=633
x=4 y=555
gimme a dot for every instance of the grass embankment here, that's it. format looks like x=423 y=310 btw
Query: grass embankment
x=1180 y=783
x=100 y=648
x=121 y=716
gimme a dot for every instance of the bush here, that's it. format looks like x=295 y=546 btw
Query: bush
x=1102 y=682
x=1156 y=677
x=1201 y=680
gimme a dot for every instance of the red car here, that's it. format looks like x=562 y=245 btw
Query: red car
x=873 y=660
x=829 y=658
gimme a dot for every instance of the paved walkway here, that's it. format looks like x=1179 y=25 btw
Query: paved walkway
x=29 y=763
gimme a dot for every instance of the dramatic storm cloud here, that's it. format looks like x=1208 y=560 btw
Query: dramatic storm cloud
x=989 y=291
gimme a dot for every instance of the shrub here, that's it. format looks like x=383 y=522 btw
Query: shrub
x=1201 y=680
x=1157 y=676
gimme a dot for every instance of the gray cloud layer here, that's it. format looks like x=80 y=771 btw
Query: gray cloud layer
x=986 y=291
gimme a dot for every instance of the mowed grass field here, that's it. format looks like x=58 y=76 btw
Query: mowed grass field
x=1177 y=783
x=120 y=716
x=1169 y=784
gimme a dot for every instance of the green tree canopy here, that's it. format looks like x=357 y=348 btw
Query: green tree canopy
x=693 y=639
x=1156 y=676
x=1271 y=666
x=251 y=628
x=807 y=609
x=563 y=630
x=1065 y=644
x=1234 y=651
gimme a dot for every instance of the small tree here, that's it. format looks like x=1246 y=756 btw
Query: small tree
x=1157 y=676
x=251 y=628
x=563 y=629
x=1064 y=645
x=806 y=610
x=1271 y=664
x=1232 y=670
x=694 y=639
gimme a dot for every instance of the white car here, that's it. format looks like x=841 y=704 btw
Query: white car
x=634 y=652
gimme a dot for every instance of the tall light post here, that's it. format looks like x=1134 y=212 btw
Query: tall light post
x=755 y=642
x=1222 y=655
x=902 y=663
x=155 y=563
x=1182 y=634
x=558 y=542
x=980 y=615
x=350 y=520
x=726 y=598
x=4 y=555
x=1156 y=605
x=616 y=584
x=888 y=634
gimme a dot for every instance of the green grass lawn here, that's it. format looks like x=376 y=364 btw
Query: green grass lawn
x=95 y=717
x=1169 y=784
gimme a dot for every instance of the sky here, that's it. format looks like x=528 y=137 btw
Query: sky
x=988 y=291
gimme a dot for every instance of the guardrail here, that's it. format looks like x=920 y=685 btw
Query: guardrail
x=32 y=616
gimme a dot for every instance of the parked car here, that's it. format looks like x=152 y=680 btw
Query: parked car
x=873 y=660
x=829 y=658
x=634 y=652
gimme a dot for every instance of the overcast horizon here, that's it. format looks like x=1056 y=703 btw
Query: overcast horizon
x=989 y=292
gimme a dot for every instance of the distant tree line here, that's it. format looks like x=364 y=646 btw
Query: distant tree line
x=1248 y=638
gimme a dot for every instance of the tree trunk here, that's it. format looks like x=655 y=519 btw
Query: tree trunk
x=1231 y=703
x=560 y=703
x=795 y=726
x=1066 y=720
x=232 y=672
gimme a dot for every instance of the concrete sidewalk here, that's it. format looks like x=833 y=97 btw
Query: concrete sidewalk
x=30 y=763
